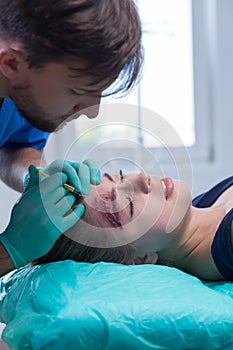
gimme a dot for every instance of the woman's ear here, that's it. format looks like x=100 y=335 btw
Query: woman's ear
x=151 y=258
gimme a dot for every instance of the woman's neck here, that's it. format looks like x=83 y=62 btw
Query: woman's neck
x=189 y=247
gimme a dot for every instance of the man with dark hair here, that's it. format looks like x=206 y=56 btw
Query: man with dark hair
x=57 y=59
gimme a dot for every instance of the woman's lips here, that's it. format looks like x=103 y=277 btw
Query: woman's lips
x=168 y=186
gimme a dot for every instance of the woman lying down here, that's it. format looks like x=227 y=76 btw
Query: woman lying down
x=139 y=219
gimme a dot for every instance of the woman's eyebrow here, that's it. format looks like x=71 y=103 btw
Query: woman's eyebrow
x=109 y=177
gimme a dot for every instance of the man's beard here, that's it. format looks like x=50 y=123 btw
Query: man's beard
x=20 y=95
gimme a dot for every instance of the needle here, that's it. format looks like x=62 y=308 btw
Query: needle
x=66 y=186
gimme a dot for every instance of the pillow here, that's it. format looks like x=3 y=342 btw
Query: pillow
x=107 y=306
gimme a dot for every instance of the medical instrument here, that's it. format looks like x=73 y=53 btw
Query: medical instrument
x=66 y=186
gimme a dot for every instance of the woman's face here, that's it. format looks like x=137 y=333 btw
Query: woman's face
x=136 y=206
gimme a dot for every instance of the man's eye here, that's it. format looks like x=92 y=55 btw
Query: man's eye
x=76 y=93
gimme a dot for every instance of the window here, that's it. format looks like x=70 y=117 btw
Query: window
x=162 y=118
x=173 y=105
x=167 y=86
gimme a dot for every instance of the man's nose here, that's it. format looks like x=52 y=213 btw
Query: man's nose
x=90 y=111
x=93 y=107
x=89 y=107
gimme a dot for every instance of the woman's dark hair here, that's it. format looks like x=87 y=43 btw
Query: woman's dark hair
x=67 y=249
x=106 y=34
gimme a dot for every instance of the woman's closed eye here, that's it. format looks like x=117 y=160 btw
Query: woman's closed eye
x=130 y=199
x=121 y=176
x=131 y=205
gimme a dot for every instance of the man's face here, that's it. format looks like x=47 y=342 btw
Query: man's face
x=54 y=94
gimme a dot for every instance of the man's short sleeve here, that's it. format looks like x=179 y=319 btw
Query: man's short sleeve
x=15 y=131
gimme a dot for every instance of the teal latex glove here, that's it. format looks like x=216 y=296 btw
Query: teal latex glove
x=38 y=218
x=79 y=174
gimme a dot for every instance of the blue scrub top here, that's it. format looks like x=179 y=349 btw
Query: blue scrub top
x=15 y=131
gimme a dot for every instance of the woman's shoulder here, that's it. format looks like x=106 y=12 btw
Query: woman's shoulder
x=208 y=198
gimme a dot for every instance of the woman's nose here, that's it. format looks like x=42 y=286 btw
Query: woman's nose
x=144 y=183
x=135 y=183
x=141 y=182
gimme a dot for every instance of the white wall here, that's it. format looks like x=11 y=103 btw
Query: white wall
x=214 y=100
x=221 y=70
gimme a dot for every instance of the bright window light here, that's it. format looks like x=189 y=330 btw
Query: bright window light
x=167 y=84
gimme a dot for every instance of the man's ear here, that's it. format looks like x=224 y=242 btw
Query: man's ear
x=151 y=258
x=12 y=62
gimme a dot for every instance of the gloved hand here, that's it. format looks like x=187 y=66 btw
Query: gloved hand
x=43 y=213
x=79 y=174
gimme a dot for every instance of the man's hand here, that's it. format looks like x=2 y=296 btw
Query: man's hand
x=44 y=212
x=79 y=174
